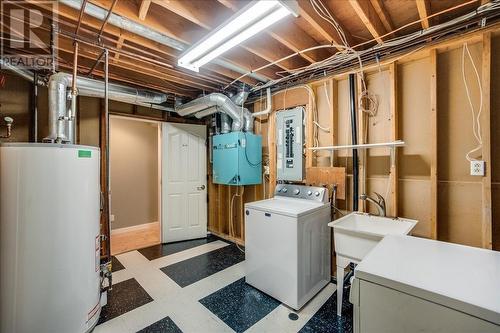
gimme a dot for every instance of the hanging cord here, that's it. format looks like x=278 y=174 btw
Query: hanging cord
x=325 y=14
x=476 y=120
x=325 y=129
x=231 y=220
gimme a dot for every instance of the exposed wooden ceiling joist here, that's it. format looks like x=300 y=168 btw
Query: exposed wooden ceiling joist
x=118 y=75
x=288 y=34
x=184 y=22
x=119 y=45
x=72 y=15
x=144 y=8
x=324 y=28
x=424 y=10
x=369 y=17
x=383 y=15
x=132 y=64
x=183 y=31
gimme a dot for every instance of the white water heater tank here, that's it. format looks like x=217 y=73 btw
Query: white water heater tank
x=49 y=238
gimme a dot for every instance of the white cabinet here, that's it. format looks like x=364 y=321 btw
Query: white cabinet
x=385 y=310
x=409 y=284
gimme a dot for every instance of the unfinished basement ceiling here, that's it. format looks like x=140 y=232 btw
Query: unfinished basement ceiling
x=140 y=60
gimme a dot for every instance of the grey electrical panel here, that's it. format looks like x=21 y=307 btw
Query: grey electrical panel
x=290 y=144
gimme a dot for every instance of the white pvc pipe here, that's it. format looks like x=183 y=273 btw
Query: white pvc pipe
x=398 y=143
x=268 y=108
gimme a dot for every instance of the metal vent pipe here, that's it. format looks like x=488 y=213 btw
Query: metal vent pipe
x=242 y=118
x=58 y=97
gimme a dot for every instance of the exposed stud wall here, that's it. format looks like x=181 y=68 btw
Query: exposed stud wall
x=459 y=203
x=495 y=140
x=421 y=101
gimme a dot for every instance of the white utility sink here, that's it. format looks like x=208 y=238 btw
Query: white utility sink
x=356 y=234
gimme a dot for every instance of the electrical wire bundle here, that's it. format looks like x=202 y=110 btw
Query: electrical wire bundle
x=347 y=54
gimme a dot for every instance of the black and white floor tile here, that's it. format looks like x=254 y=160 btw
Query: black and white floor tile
x=199 y=286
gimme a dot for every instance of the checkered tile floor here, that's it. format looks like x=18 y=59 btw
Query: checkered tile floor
x=199 y=286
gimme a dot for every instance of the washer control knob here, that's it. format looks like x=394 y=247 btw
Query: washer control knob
x=296 y=191
x=284 y=190
x=316 y=193
x=309 y=193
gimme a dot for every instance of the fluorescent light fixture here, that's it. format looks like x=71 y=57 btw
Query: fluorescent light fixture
x=255 y=17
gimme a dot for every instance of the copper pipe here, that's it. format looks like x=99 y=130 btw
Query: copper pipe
x=82 y=11
x=110 y=11
x=75 y=68
x=72 y=115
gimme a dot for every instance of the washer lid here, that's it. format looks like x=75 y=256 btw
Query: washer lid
x=286 y=206
x=460 y=277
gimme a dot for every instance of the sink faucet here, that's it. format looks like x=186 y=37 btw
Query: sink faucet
x=380 y=203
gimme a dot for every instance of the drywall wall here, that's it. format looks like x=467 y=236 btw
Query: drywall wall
x=88 y=120
x=134 y=172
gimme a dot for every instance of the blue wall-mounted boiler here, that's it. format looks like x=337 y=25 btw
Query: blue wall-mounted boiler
x=237 y=158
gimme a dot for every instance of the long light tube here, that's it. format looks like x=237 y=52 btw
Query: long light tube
x=246 y=23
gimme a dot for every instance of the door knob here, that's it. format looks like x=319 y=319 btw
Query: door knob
x=200 y=188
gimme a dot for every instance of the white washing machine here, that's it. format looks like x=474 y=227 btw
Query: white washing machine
x=287 y=243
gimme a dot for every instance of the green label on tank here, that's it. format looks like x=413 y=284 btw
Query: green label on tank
x=84 y=153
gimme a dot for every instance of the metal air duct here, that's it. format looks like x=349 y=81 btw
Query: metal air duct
x=25 y=74
x=242 y=118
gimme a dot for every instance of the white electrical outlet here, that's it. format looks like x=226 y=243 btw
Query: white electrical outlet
x=477 y=168
x=112 y=218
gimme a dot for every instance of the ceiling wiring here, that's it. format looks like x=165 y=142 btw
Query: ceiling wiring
x=344 y=56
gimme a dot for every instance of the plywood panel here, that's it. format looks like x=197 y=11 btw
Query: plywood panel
x=414 y=128
x=459 y=213
x=344 y=117
x=459 y=193
x=321 y=176
x=378 y=128
x=324 y=104
x=455 y=128
x=414 y=203
x=414 y=119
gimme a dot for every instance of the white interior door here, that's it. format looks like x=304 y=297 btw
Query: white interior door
x=184 y=182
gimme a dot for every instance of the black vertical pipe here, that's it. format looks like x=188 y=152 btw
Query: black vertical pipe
x=354 y=132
